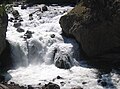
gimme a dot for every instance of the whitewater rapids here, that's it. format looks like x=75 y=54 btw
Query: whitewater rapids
x=33 y=58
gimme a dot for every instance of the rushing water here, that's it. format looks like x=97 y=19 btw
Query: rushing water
x=36 y=58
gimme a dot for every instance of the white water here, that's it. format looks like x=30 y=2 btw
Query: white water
x=34 y=57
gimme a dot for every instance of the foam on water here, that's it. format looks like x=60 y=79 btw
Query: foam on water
x=34 y=57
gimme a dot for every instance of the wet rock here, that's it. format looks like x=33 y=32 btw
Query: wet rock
x=20 y=20
x=30 y=16
x=11 y=19
x=44 y=8
x=62 y=61
x=58 y=77
x=62 y=83
x=51 y=86
x=23 y=7
x=52 y=36
x=102 y=83
x=15 y=13
x=84 y=83
x=30 y=87
x=20 y=30
x=39 y=84
x=15 y=4
x=28 y=35
x=17 y=24
x=12 y=83
x=94 y=24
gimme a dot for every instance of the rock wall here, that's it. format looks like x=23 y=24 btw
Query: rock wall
x=95 y=24
x=3 y=28
x=5 y=59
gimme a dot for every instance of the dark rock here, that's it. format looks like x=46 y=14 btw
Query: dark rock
x=95 y=24
x=15 y=13
x=21 y=20
x=52 y=36
x=5 y=58
x=2 y=78
x=39 y=84
x=51 y=86
x=23 y=7
x=44 y=8
x=30 y=15
x=20 y=30
x=12 y=83
x=15 y=21
x=30 y=87
x=77 y=88
x=58 y=77
x=15 y=4
x=11 y=19
x=3 y=28
x=28 y=34
x=17 y=24
x=30 y=18
x=102 y=83
x=84 y=82
x=62 y=83
x=62 y=61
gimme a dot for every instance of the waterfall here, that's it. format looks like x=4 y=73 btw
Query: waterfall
x=40 y=38
x=40 y=47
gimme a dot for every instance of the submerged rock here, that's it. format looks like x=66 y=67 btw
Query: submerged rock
x=95 y=24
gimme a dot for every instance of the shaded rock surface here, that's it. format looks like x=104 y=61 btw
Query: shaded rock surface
x=3 y=28
x=51 y=86
x=5 y=58
x=63 y=61
x=95 y=24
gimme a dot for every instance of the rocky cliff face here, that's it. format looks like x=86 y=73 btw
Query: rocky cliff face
x=5 y=60
x=3 y=28
x=96 y=26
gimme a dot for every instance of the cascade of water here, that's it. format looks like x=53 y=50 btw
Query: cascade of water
x=41 y=41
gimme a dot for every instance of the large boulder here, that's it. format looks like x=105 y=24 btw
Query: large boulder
x=95 y=24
